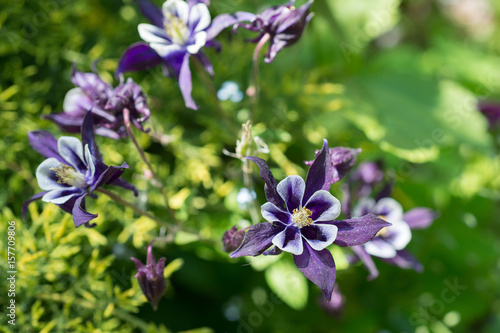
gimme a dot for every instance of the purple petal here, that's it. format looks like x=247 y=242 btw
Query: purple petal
x=110 y=175
x=87 y=135
x=420 y=217
x=80 y=215
x=275 y=45
x=152 y=12
x=270 y=187
x=67 y=121
x=289 y=240
x=324 y=206
x=291 y=190
x=30 y=200
x=320 y=173
x=405 y=260
x=61 y=196
x=358 y=230
x=71 y=150
x=343 y=160
x=319 y=236
x=319 y=267
x=223 y=21
x=138 y=57
x=91 y=84
x=367 y=261
x=185 y=83
x=205 y=62
x=45 y=144
x=364 y=206
x=273 y=214
x=257 y=239
x=273 y=251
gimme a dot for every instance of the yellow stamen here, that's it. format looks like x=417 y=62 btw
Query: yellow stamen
x=301 y=217
x=175 y=29
x=67 y=175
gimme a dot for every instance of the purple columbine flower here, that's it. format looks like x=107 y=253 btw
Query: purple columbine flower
x=178 y=31
x=491 y=110
x=107 y=105
x=343 y=160
x=150 y=277
x=389 y=243
x=301 y=216
x=73 y=170
x=281 y=25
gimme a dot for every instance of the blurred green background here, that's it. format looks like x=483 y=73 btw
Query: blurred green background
x=399 y=79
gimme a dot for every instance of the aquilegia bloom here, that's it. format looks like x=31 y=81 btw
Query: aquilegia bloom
x=107 y=105
x=72 y=171
x=301 y=216
x=281 y=25
x=150 y=277
x=178 y=31
x=389 y=244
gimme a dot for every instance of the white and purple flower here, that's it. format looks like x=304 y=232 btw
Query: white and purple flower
x=301 y=216
x=178 y=31
x=72 y=171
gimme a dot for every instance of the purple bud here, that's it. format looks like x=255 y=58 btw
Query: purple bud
x=150 y=277
x=232 y=239
x=343 y=160
x=491 y=111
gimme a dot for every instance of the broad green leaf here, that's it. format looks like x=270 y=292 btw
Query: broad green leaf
x=288 y=283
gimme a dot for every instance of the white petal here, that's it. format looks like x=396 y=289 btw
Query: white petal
x=152 y=34
x=71 y=150
x=199 y=13
x=57 y=197
x=363 y=206
x=322 y=196
x=200 y=39
x=294 y=246
x=328 y=233
x=380 y=248
x=164 y=50
x=272 y=213
x=76 y=100
x=46 y=178
x=178 y=8
x=291 y=189
x=389 y=208
x=398 y=234
x=90 y=160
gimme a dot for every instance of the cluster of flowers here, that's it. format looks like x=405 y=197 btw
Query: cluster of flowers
x=301 y=214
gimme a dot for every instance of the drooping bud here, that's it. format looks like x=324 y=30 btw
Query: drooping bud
x=343 y=160
x=232 y=239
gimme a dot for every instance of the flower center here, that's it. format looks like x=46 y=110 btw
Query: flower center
x=301 y=217
x=176 y=29
x=67 y=175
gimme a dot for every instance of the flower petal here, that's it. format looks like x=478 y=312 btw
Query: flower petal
x=257 y=239
x=389 y=208
x=122 y=183
x=289 y=240
x=90 y=160
x=199 y=17
x=45 y=144
x=223 y=21
x=200 y=40
x=153 y=34
x=291 y=189
x=46 y=178
x=319 y=236
x=398 y=235
x=80 y=215
x=364 y=206
x=270 y=187
x=367 y=261
x=88 y=139
x=358 y=230
x=273 y=214
x=61 y=196
x=319 y=267
x=138 y=57
x=152 y=12
x=77 y=101
x=324 y=206
x=320 y=173
x=185 y=83
x=205 y=62
x=405 y=260
x=111 y=174
x=420 y=217
x=178 y=8
x=71 y=150
x=378 y=247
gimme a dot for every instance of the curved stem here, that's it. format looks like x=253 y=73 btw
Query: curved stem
x=136 y=209
x=255 y=76
x=247 y=180
x=213 y=92
x=126 y=120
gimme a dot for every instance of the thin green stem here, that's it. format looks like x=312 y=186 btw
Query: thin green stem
x=255 y=76
x=247 y=180
x=213 y=92
x=136 y=209
x=126 y=120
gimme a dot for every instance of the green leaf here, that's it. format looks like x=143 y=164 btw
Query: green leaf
x=288 y=283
